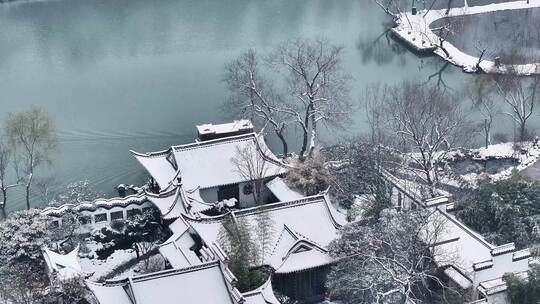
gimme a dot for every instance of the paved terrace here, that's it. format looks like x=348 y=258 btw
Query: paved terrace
x=415 y=31
x=533 y=171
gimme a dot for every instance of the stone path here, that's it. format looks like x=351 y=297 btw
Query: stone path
x=533 y=171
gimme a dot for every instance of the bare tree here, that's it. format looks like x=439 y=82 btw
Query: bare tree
x=313 y=91
x=356 y=170
x=254 y=95
x=317 y=84
x=426 y=122
x=33 y=135
x=481 y=93
x=483 y=51
x=373 y=100
x=252 y=166
x=6 y=158
x=395 y=7
x=391 y=7
x=445 y=28
x=519 y=94
x=391 y=260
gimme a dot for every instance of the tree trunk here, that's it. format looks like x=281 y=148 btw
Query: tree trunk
x=430 y=182
x=255 y=192
x=305 y=134
x=28 y=195
x=304 y=143
x=4 y=202
x=313 y=141
x=305 y=129
x=283 y=142
x=449 y=7
x=522 y=131
x=487 y=128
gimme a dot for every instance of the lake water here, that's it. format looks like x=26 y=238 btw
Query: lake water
x=118 y=75
x=514 y=36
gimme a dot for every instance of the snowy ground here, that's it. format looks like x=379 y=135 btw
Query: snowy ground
x=533 y=171
x=525 y=157
x=415 y=30
x=98 y=268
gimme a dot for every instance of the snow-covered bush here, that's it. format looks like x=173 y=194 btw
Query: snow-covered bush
x=23 y=276
x=504 y=211
x=283 y=299
x=311 y=175
x=524 y=291
x=141 y=233
x=72 y=290
x=387 y=261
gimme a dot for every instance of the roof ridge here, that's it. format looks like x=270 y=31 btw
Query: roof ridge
x=158 y=274
x=284 y=230
x=171 y=272
x=308 y=239
x=213 y=142
x=262 y=208
x=465 y=228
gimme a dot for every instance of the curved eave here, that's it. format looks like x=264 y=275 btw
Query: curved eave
x=299 y=261
x=167 y=202
x=157 y=165
x=265 y=291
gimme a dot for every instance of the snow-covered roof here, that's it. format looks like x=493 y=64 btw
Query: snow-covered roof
x=178 y=248
x=236 y=126
x=176 y=201
x=209 y=163
x=64 y=265
x=463 y=281
x=464 y=246
x=110 y=293
x=303 y=255
x=202 y=284
x=159 y=166
x=311 y=221
x=282 y=191
x=470 y=256
x=169 y=203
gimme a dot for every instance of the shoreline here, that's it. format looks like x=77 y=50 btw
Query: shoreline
x=415 y=32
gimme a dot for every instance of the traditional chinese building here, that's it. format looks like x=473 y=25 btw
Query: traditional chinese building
x=208 y=171
x=206 y=283
x=467 y=259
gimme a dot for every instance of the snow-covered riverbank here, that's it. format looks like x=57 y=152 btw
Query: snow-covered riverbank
x=415 y=31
